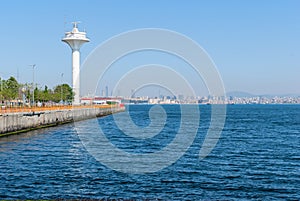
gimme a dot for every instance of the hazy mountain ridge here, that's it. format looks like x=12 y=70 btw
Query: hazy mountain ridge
x=243 y=94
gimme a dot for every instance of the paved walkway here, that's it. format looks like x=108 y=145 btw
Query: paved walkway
x=5 y=110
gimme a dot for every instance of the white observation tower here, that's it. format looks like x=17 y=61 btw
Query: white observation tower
x=75 y=39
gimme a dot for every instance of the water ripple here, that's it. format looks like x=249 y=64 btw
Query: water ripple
x=257 y=157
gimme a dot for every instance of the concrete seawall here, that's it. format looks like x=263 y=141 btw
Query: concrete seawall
x=11 y=123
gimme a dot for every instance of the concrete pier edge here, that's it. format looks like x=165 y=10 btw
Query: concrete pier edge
x=17 y=123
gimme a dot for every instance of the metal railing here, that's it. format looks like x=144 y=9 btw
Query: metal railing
x=22 y=109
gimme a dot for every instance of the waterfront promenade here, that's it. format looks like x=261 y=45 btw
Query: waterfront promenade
x=22 y=119
x=8 y=110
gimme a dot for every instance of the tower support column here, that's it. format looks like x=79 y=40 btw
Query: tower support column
x=76 y=76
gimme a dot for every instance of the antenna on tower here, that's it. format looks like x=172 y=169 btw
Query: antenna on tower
x=75 y=24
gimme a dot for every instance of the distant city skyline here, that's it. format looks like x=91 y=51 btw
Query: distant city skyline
x=254 y=44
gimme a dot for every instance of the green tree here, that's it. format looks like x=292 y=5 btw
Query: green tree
x=46 y=95
x=10 y=89
x=1 y=90
x=64 y=92
x=46 y=89
x=36 y=91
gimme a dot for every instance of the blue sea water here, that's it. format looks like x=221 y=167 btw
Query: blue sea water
x=257 y=157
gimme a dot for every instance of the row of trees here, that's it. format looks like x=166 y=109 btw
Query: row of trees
x=12 y=91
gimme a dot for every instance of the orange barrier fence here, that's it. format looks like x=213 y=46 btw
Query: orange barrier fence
x=49 y=108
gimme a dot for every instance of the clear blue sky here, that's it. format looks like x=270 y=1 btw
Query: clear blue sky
x=254 y=44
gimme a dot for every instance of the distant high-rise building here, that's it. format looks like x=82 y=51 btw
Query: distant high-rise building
x=180 y=97
x=106 y=91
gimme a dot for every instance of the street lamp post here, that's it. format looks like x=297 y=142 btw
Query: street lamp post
x=33 y=65
x=1 y=80
x=23 y=95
